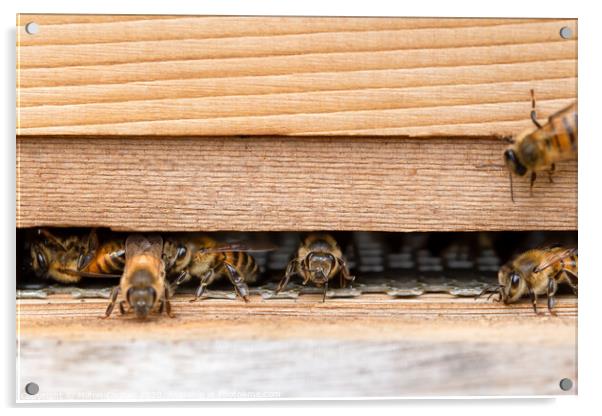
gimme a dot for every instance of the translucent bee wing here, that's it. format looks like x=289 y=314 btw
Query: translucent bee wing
x=554 y=258
x=52 y=238
x=93 y=275
x=137 y=244
x=238 y=247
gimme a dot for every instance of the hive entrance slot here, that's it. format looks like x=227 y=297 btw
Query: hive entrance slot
x=399 y=265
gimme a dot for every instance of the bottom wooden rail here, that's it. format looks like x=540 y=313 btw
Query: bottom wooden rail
x=372 y=346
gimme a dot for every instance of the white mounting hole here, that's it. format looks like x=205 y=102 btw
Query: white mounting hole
x=566 y=32
x=32 y=28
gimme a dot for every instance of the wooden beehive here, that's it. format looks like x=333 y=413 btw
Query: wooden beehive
x=185 y=123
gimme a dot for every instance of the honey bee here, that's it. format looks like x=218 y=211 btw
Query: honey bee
x=143 y=280
x=56 y=257
x=59 y=258
x=318 y=259
x=536 y=272
x=204 y=258
x=540 y=149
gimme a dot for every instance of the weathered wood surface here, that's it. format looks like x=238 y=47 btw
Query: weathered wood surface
x=279 y=184
x=372 y=347
x=191 y=75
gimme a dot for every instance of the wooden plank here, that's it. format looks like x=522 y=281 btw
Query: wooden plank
x=279 y=184
x=192 y=75
x=374 y=346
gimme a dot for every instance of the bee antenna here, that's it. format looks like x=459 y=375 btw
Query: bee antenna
x=493 y=288
x=511 y=187
x=489 y=166
x=482 y=292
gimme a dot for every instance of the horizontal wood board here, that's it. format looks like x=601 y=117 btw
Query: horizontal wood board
x=204 y=76
x=369 y=347
x=279 y=184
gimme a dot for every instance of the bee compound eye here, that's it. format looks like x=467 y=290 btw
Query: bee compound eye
x=514 y=279
x=181 y=252
x=41 y=261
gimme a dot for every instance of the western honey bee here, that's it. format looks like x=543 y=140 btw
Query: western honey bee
x=540 y=149
x=318 y=259
x=536 y=272
x=143 y=280
x=56 y=257
x=207 y=260
x=59 y=258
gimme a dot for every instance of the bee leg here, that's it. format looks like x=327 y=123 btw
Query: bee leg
x=307 y=274
x=291 y=269
x=571 y=279
x=552 y=286
x=534 y=119
x=113 y=297
x=533 y=112
x=533 y=177
x=345 y=275
x=533 y=297
x=238 y=281
x=167 y=303
x=204 y=282
x=117 y=256
x=551 y=172
x=183 y=277
x=122 y=307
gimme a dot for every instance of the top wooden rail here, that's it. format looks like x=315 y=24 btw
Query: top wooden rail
x=204 y=76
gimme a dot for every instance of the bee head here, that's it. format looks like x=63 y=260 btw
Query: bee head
x=320 y=266
x=512 y=284
x=513 y=164
x=141 y=299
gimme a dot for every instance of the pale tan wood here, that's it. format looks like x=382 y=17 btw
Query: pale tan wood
x=79 y=29
x=290 y=76
x=347 y=63
x=275 y=183
x=373 y=346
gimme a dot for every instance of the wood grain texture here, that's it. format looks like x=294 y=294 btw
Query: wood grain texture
x=279 y=184
x=369 y=347
x=203 y=76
